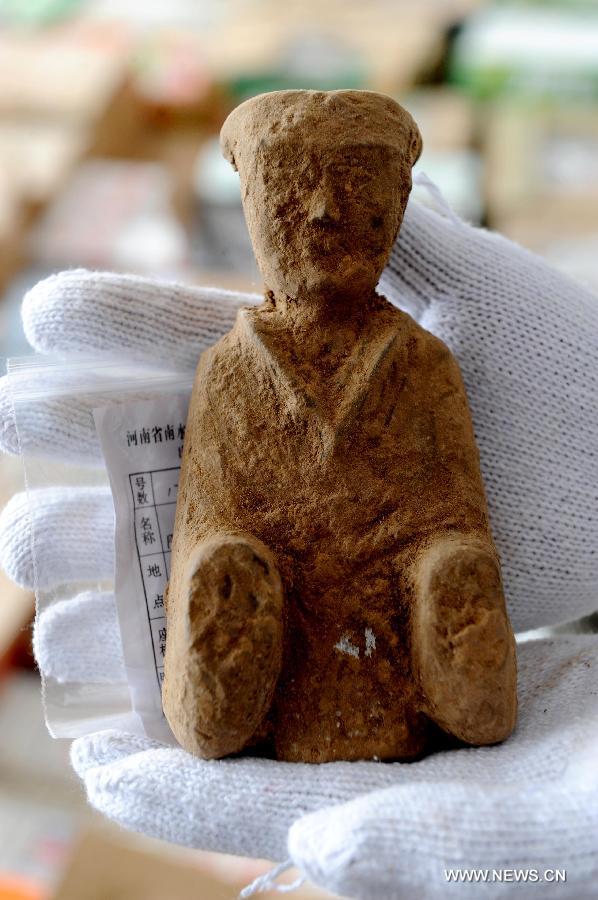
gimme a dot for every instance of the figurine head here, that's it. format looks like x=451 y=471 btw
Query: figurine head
x=325 y=178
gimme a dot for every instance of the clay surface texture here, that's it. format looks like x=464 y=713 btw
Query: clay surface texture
x=335 y=592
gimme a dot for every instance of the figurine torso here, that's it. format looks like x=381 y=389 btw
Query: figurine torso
x=342 y=464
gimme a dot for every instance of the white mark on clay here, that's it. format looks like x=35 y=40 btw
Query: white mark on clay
x=370 y=642
x=345 y=646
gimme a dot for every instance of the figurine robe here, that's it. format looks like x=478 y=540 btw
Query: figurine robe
x=327 y=501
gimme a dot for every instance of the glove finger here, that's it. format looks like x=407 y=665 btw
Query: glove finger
x=78 y=640
x=81 y=311
x=106 y=747
x=420 y=266
x=531 y=802
x=435 y=258
x=245 y=805
x=241 y=806
x=9 y=440
x=403 y=841
x=69 y=531
x=60 y=428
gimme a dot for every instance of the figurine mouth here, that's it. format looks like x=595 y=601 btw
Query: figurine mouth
x=325 y=223
x=331 y=250
x=326 y=238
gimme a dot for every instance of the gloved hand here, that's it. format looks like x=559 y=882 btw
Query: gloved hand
x=527 y=341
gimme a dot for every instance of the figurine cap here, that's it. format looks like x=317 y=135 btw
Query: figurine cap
x=332 y=117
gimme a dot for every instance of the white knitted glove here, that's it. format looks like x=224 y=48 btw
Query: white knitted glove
x=527 y=341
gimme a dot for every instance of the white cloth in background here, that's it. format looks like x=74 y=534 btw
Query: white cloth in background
x=527 y=342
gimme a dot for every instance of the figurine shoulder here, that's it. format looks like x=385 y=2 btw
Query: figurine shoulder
x=221 y=372
x=415 y=335
x=426 y=354
x=434 y=350
x=226 y=352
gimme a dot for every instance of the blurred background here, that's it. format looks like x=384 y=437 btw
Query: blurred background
x=109 y=159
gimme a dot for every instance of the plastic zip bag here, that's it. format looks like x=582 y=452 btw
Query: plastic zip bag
x=72 y=416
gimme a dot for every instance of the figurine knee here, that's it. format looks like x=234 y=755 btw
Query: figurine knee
x=464 y=649
x=224 y=645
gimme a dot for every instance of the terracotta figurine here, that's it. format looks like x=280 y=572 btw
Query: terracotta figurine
x=335 y=592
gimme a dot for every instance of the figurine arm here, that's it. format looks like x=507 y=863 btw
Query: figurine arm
x=225 y=597
x=453 y=431
x=464 y=647
x=224 y=645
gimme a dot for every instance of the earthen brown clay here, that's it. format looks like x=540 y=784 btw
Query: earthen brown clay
x=335 y=592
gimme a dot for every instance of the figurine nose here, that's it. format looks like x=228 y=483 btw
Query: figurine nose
x=323 y=206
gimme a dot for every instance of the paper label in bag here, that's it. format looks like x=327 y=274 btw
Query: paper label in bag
x=142 y=444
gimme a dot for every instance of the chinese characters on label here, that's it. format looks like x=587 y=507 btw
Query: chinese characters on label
x=154 y=503
x=156 y=434
x=142 y=443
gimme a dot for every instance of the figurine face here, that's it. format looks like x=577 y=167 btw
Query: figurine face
x=323 y=220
